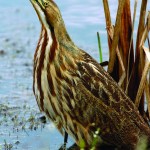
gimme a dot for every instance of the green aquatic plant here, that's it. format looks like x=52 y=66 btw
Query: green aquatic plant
x=100 y=48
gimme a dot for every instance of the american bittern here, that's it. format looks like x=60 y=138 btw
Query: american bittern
x=75 y=92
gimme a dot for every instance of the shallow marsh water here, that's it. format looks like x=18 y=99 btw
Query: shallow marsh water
x=19 y=33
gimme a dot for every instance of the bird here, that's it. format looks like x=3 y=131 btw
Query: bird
x=76 y=93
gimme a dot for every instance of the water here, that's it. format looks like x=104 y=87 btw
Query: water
x=19 y=33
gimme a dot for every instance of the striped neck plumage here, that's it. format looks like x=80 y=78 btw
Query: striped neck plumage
x=48 y=43
x=51 y=19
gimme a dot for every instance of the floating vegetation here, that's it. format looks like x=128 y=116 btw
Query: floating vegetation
x=18 y=121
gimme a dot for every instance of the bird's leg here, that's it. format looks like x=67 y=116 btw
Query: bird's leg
x=74 y=147
x=65 y=139
x=63 y=147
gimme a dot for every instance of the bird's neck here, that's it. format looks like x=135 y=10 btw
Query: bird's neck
x=51 y=39
x=61 y=33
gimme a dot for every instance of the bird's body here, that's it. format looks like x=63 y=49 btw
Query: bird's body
x=75 y=92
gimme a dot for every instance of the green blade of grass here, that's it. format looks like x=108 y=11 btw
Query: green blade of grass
x=100 y=48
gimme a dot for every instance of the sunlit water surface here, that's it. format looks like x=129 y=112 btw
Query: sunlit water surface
x=19 y=33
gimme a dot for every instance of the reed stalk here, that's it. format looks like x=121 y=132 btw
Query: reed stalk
x=133 y=75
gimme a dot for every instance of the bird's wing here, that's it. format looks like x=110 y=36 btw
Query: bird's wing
x=102 y=102
x=98 y=82
x=100 y=88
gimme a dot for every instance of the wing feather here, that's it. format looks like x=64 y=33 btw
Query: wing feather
x=102 y=102
x=99 y=83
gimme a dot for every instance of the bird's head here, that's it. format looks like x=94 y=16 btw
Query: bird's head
x=48 y=12
x=50 y=18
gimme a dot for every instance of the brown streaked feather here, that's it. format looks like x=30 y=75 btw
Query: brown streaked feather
x=50 y=82
x=53 y=47
x=39 y=67
x=114 y=109
x=76 y=93
x=110 y=122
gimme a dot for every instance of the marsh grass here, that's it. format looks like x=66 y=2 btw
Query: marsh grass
x=100 y=48
x=129 y=65
x=129 y=62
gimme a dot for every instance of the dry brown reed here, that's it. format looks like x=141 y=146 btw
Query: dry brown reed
x=130 y=66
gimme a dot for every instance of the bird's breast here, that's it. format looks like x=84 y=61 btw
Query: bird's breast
x=54 y=80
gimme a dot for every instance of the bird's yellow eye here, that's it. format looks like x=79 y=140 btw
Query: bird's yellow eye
x=45 y=4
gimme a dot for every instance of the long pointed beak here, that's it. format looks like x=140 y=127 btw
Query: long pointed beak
x=39 y=10
x=38 y=2
x=38 y=6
